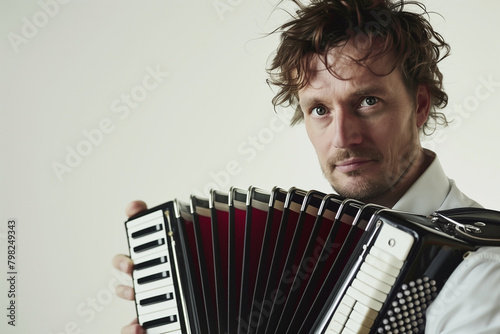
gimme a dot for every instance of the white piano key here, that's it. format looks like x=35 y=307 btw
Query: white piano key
x=394 y=241
x=357 y=327
x=162 y=253
x=373 y=282
x=386 y=257
x=340 y=318
x=366 y=300
x=377 y=273
x=150 y=247
x=347 y=331
x=146 y=219
x=156 y=306
x=343 y=310
x=365 y=311
x=335 y=328
x=152 y=270
x=159 y=234
x=369 y=290
x=167 y=328
x=346 y=305
x=159 y=245
x=381 y=265
x=143 y=230
x=146 y=228
x=361 y=319
x=165 y=280
x=147 y=238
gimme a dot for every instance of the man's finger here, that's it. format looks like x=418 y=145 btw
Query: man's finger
x=133 y=328
x=123 y=263
x=135 y=207
x=125 y=292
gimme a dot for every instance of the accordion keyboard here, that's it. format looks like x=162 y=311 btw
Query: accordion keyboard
x=155 y=295
x=360 y=305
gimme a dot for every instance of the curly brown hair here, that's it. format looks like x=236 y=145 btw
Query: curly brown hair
x=325 y=24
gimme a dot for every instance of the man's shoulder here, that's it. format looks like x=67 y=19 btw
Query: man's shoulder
x=456 y=199
x=433 y=191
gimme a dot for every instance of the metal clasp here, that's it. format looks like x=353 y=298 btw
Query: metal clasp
x=451 y=224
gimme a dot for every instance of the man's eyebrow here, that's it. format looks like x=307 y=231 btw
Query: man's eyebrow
x=310 y=100
x=362 y=91
x=370 y=90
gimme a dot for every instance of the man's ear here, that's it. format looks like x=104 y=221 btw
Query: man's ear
x=423 y=105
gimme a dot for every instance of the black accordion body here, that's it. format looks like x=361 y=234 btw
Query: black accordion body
x=251 y=261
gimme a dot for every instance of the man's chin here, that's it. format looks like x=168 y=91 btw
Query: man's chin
x=360 y=189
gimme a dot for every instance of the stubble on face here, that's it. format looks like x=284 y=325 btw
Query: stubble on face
x=357 y=185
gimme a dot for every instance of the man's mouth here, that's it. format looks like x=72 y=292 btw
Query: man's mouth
x=352 y=164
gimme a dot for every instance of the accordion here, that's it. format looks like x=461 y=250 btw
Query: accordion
x=291 y=261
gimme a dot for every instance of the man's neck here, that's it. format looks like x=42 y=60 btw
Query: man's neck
x=421 y=162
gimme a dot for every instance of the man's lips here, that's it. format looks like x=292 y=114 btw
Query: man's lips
x=351 y=165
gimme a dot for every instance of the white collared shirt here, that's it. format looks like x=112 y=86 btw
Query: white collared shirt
x=433 y=191
x=469 y=303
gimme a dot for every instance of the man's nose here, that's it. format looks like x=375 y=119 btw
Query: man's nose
x=345 y=129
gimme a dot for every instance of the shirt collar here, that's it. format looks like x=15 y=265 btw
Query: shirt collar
x=428 y=192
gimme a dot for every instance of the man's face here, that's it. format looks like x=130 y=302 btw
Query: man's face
x=364 y=126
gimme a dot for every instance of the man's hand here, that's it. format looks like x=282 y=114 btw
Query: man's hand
x=125 y=264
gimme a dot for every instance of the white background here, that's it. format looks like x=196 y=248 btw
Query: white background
x=68 y=73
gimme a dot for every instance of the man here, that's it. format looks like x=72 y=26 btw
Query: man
x=363 y=76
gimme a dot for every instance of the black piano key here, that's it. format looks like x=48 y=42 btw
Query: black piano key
x=157 y=299
x=146 y=231
x=154 y=277
x=150 y=263
x=160 y=322
x=149 y=245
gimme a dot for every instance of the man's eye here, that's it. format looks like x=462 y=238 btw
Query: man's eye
x=369 y=101
x=319 y=111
